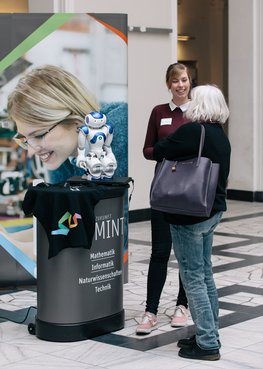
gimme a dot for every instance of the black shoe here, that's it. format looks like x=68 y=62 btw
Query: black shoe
x=188 y=342
x=195 y=352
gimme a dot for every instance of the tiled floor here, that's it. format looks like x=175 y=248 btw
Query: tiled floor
x=238 y=268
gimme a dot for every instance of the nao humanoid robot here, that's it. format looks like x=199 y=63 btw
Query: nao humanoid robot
x=94 y=148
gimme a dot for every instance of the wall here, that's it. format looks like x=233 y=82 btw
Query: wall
x=245 y=96
x=13 y=6
x=203 y=20
x=149 y=54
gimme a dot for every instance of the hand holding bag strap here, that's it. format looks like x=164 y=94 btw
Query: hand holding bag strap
x=201 y=144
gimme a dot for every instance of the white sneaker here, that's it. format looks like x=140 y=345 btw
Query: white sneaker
x=180 y=317
x=148 y=324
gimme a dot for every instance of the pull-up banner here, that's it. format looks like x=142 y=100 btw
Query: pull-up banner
x=91 y=46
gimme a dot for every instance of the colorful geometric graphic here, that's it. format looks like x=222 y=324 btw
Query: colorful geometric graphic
x=63 y=229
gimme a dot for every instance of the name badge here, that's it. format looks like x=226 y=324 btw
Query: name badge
x=166 y=121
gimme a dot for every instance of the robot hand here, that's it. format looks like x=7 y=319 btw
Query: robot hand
x=81 y=159
x=108 y=150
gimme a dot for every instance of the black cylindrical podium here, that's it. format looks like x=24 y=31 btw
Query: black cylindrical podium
x=80 y=289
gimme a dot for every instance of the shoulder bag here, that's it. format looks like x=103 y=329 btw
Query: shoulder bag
x=185 y=187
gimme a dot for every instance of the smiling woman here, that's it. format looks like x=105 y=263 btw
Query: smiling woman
x=38 y=142
x=164 y=120
x=47 y=106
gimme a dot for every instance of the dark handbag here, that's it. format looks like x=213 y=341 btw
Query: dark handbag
x=185 y=187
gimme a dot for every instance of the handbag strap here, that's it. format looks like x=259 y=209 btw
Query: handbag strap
x=201 y=144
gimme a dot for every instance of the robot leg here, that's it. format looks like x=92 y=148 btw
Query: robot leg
x=94 y=166
x=109 y=164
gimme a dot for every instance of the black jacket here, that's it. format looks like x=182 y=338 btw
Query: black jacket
x=183 y=144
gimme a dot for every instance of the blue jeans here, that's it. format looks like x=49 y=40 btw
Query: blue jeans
x=193 y=249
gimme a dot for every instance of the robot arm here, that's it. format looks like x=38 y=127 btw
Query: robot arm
x=109 y=161
x=82 y=137
x=82 y=144
x=108 y=141
x=109 y=138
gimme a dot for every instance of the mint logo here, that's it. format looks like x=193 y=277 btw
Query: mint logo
x=65 y=223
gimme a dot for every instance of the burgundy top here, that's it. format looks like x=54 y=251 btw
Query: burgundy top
x=164 y=120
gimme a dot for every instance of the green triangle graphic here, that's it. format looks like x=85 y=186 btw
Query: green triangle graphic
x=43 y=31
x=16 y=27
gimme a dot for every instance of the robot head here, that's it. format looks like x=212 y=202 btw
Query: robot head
x=95 y=119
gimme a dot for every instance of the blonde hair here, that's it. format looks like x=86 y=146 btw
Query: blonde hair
x=207 y=104
x=47 y=95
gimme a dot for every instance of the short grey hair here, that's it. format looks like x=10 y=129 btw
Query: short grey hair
x=207 y=105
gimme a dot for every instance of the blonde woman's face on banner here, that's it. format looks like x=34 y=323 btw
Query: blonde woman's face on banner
x=52 y=145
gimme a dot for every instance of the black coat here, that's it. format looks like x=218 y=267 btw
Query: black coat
x=183 y=144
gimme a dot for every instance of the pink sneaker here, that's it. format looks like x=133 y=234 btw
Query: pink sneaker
x=180 y=317
x=148 y=324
